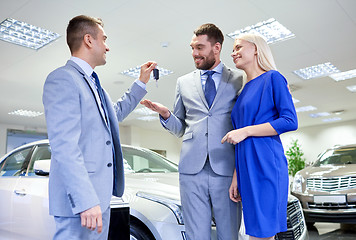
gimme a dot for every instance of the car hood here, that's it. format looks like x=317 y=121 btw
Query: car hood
x=329 y=171
x=160 y=184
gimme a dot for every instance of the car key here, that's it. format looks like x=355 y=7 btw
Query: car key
x=156 y=75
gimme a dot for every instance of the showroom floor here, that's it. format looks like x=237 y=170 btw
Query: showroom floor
x=332 y=231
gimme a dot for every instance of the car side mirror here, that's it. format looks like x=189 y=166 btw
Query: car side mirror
x=42 y=167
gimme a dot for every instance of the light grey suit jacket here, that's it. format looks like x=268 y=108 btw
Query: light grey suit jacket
x=203 y=128
x=82 y=144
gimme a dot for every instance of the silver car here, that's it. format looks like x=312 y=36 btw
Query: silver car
x=151 y=199
x=327 y=188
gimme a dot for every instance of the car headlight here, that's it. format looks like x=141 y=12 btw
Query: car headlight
x=297 y=183
x=172 y=204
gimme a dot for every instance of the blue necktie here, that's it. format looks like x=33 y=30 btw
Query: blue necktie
x=210 y=90
x=101 y=94
x=103 y=105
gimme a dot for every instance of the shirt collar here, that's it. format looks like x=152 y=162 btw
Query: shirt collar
x=83 y=65
x=217 y=69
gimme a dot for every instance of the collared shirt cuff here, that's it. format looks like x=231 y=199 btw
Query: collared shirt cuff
x=164 y=122
x=141 y=84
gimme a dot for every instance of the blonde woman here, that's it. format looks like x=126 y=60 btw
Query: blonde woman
x=262 y=112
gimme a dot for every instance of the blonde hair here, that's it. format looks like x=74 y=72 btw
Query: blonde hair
x=264 y=55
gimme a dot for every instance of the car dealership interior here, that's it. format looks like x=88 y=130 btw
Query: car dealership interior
x=316 y=53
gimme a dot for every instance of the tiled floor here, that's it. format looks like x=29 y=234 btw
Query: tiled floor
x=332 y=231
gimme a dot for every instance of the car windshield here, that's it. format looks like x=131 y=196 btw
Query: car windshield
x=145 y=161
x=337 y=157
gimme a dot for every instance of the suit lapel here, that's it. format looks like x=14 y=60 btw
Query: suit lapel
x=197 y=81
x=91 y=87
x=225 y=78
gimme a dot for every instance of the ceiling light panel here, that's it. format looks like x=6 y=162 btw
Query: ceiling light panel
x=320 y=114
x=144 y=111
x=351 y=88
x=295 y=100
x=271 y=30
x=25 y=34
x=135 y=72
x=331 y=119
x=305 y=109
x=148 y=118
x=25 y=113
x=343 y=75
x=316 y=71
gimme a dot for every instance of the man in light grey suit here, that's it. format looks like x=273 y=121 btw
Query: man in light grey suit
x=201 y=115
x=82 y=124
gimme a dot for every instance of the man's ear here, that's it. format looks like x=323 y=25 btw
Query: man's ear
x=88 y=40
x=217 y=47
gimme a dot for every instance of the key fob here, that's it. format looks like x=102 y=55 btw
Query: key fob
x=156 y=74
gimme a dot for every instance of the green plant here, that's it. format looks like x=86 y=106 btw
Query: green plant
x=295 y=158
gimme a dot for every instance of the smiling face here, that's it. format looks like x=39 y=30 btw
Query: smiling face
x=100 y=47
x=206 y=56
x=244 y=54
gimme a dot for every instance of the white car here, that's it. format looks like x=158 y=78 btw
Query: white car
x=149 y=210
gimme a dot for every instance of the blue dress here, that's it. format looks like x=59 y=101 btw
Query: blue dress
x=261 y=166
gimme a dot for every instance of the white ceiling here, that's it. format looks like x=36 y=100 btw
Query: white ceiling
x=325 y=32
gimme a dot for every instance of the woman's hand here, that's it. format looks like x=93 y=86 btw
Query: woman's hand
x=235 y=136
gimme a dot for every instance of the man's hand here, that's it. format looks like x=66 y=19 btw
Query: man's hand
x=146 y=70
x=157 y=107
x=233 y=190
x=92 y=219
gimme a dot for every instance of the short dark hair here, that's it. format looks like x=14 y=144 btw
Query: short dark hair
x=78 y=27
x=213 y=32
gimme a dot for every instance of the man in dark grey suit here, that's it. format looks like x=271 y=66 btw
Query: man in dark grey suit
x=201 y=115
x=83 y=130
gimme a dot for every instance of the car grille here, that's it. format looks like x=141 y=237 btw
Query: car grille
x=332 y=206
x=331 y=184
x=295 y=222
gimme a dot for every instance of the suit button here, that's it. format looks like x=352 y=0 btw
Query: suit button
x=210 y=114
x=109 y=164
x=108 y=142
x=206 y=134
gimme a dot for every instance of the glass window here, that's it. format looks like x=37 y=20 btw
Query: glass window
x=42 y=152
x=14 y=165
x=338 y=157
x=146 y=161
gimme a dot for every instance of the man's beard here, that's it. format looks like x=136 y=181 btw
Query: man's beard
x=208 y=63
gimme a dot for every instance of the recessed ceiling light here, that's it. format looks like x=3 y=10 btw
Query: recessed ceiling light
x=25 y=34
x=271 y=30
x=135 y=72
x=343 y=75
x=331 y=119
x=25 y=113
x=351 y=88
x=338 y=112
x=321 y=114
x=148 y=118
x=316 y=71
x=305 y=109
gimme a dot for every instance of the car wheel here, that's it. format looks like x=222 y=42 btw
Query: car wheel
x=138 y=233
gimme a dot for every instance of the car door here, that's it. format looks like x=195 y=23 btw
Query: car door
x=30 y=208
x=11 y=168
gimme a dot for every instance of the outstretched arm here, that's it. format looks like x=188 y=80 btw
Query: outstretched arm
x=157 y=107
